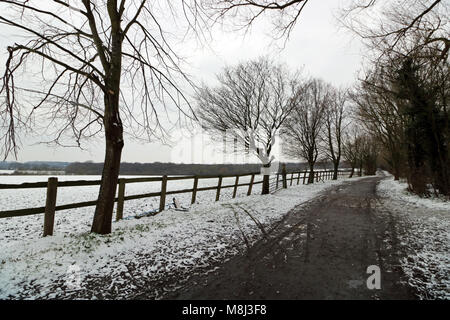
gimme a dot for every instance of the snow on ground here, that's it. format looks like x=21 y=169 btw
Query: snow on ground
x=423 y=230
x=398 y=190
x=172 y=243
x=74 y=221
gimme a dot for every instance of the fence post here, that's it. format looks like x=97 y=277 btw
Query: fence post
x=283 y=172
x=292 y=178
x=194 y=190
x=298 y=179
x=120 y=200
x=250 y=186
x=278 y=178
x=162 y=200
x=235 y=186
x=304 y=177
x=219 y=185
x=50 y=204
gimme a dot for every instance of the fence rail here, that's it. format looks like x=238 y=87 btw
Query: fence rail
x=278 y=181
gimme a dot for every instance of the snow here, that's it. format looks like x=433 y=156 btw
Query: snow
x=170 y=245
x=398 y=190
x=423 y=229
x=74 y=221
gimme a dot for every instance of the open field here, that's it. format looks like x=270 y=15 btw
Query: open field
x=79 y=220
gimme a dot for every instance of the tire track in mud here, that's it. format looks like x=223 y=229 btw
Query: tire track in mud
x=319 y=250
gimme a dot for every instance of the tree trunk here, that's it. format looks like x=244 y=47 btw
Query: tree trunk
x=110 y=175
x=266 y=179
x=111 y=167
x=396 y=173
x=311 y=173
x=265 y=187
x=113 y=129
x=335 y=170
x=396 y=163
x=352 y=172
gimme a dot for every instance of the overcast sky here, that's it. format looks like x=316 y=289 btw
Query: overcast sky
x=317 y=44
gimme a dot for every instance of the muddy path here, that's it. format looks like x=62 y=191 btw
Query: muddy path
x=318 y=251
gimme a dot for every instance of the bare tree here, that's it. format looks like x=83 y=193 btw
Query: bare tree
x=380 y=112
x=361 y=150
x=284 y=14
x=358 y=15
x=251 y=102
x=351 y=149
x=369 y=154
x=334 y=126
x=393 y=25
x=401 y=100
x=303 y=127
x=101 y=66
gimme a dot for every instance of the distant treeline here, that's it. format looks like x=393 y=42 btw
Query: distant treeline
x=155 y=168
x=159 y=168
x=33 y=165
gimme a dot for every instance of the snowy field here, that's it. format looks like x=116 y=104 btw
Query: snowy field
x=74 y=221
x=423 y=229
x=74 y=263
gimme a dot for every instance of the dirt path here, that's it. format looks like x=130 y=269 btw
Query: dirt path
x=319 y=251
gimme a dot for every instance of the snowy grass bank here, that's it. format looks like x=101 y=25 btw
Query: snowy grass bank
x=424 y=231
x=75 y=221
x=139 y=251
x=397 y=190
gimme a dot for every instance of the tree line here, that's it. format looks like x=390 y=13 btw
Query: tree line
x=257 y=101
x=402 y=98
x=164 y=168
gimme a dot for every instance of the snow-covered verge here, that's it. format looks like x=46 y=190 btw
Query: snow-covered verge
x=398 y=190
x=423 y=231
x=75 y=221
x=142 y=251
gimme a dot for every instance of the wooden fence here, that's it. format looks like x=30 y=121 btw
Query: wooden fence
x=280 y=180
